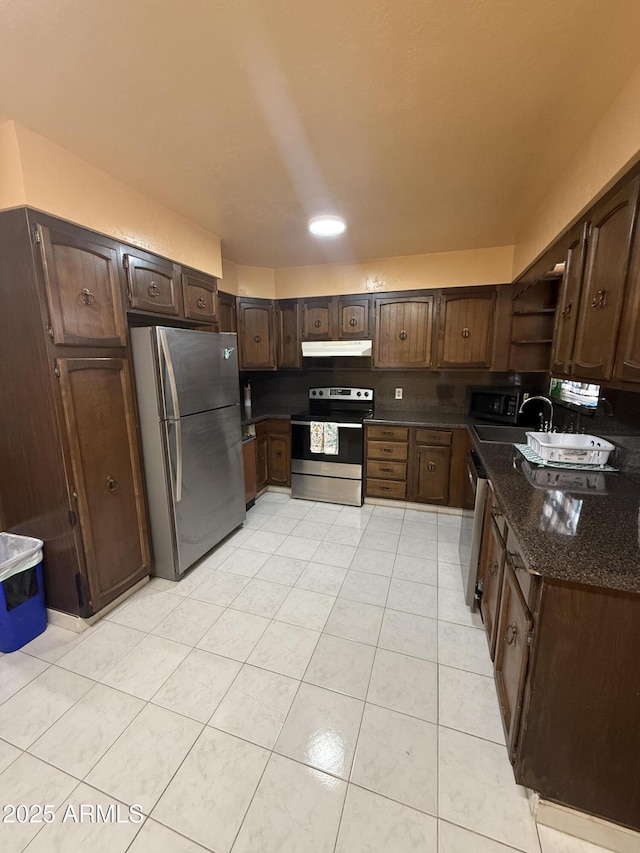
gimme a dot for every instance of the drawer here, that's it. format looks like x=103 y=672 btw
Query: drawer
x=437 y=437
x=388 y=433
x=395 y=450
x=386 y=489
x=387 y=470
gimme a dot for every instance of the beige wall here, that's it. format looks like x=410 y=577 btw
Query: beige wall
x=248 y=281
x=606 y=153
x=406 y=272
x=53 y=180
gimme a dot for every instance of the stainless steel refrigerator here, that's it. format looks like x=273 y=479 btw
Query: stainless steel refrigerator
x=189 y=406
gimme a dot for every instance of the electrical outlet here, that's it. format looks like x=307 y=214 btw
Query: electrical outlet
x=398 y=393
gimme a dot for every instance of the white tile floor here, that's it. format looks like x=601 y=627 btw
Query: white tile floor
x=315 y=685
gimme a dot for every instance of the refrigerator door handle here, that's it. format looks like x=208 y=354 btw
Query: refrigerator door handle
x=171 y=375
x=178 y=492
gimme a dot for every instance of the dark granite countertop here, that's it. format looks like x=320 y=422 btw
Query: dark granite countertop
x=252 y=416
x=590 y=538
x=443 y=420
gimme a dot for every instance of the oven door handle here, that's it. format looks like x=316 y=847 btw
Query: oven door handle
x=340 y=426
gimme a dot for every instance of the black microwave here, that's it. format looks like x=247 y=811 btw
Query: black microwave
x=497 y=404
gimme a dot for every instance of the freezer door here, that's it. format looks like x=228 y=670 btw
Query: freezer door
x=207 y=482
x=198 y=370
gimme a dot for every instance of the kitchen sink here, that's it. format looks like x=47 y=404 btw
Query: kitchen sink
x=501 y=433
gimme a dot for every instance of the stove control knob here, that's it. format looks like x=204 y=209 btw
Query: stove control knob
x=359 y=394
x=366 y=393
x=313 y=393
x=321 y=393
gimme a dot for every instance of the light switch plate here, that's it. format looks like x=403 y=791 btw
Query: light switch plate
x=398 y=393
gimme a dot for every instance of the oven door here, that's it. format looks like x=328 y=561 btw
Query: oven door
x=471 y=530
x=347 y=463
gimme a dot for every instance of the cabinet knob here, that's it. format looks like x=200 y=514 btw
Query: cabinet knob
x=87 y=297
x=600 y=299
x=153 y=290
x=566 y=311
x=353 y=322
x=403 y=335
x=317 y=324
x=112 y=485
x=510 y=634
x=465 y=333
x=493 y=568
x=257 y=339
x=431 y=466
x=201 y=303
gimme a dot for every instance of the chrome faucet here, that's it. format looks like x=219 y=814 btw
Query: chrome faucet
x=546 y=426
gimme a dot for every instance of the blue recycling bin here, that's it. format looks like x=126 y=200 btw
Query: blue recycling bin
x=23 y=614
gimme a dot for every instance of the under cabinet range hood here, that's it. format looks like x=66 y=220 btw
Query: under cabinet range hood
x=328 y=349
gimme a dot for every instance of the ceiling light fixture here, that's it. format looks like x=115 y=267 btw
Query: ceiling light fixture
x=327 y=226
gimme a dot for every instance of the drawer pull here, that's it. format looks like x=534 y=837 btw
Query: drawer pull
x=465 y=333
x=201 y=303
x=387 y=449
x=385 y=488
x=600 y=299
x=386 y=432
x=153 y=290
x=87 y=297
x=493 y=568
x=403 y=335
x=386 y=469
x=510 y=634
x=566 y=311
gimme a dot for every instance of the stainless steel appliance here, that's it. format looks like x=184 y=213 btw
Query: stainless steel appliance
x=325 y=477
x=471 y=531
x=497 y=404
x=189 y=405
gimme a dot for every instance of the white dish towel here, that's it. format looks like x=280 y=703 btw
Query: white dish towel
x=324 y=438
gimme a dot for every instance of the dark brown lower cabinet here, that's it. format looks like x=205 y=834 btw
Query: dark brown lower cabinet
x=249 y=465
x=512 y=643
x=273 y=453
x=492 y=570
x=99 y=417
x=429 y=478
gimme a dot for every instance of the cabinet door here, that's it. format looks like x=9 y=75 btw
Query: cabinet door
x=429 y=474
x=403 y=331
x=279 y=449
x=199 y=293
x=227 y=320
x=491 y=571
x=568 y=304
x=353 y=318
x=289 y=351
x=317 y=320
x=256 y=337
x=262 y=456
x=249 y=467
x=627 y=365
x=153 y=285
x=465 y=329
x=512 y=654
x=603 y=285
x=105 y=469
x=82 y=284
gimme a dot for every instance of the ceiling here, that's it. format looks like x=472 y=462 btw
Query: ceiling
x=431 y=125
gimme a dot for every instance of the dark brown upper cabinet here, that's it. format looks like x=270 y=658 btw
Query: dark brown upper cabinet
x=227 y=317
x=568 y=303
x=289 y=350
x=627 y=364
x=403 y=331
x=353 y=317
x=609 y=234
x=465 y=327
x=200 y=296
x=318 y=319
x=82 y=285
x=256 y=334
x=152 y=284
